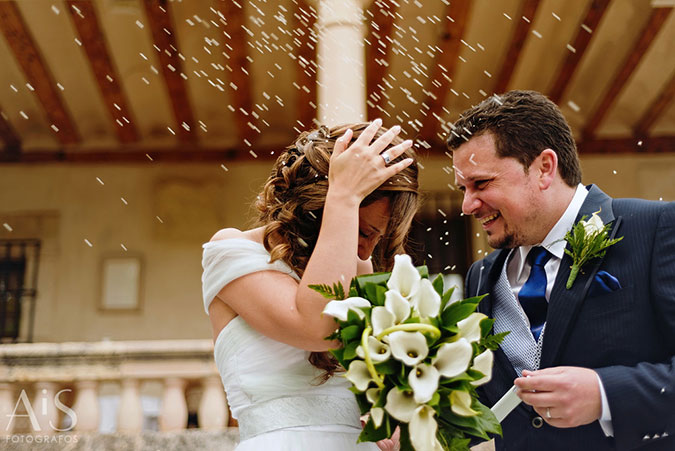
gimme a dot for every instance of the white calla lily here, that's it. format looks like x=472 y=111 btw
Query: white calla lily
x=400 y=404
x=452 y=359
x=398 y=305
x=382 y=319
x=469 y=328
x=423 y=379
x=373 y=394
x=426 y=301
x=339 y=309
x=422 y=429
x=377 y=414
x=483 y=363
x=408 y=347
x=404 y=276
x=594 y=225
x=379 y=352
x=460 y=403
x=359 y=375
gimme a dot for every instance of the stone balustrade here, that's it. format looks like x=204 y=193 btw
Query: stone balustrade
x=43 y=383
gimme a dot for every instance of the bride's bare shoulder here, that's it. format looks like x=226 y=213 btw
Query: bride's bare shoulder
x=226 y=234
x=229 y=233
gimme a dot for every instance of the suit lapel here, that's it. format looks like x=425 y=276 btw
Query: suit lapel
x=564 y=304
x=492 y=270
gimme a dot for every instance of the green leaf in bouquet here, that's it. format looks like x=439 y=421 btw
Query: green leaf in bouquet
x=487 y=420
x=445 y=298
x=402 y=379
x=435 y=399
x=459 y=444
x=375 y=293
x=391 y=366
x=486 y=326
x=492 y=342
x=412 y=320
x=350 y=333
x=475 y=374
x=361 y=400
x=372 y=434
x=360 y=282
x=405 y=438
x=381 y=400
x=350 y=350
x=452 y=439
x=477 y=425
x=438 y=284
x=334 y=292
x=353 y=318
x=339 y=355
x=459 y=310
x=452 y=382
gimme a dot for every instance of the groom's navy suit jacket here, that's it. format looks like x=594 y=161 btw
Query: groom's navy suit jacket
x=627 y=336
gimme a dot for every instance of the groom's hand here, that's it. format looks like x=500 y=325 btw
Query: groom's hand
x=564 y=396
x=393 y=443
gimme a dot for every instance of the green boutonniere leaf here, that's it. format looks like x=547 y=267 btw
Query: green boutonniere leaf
x=587 y=240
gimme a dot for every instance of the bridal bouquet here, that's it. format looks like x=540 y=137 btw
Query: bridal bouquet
x=414 y=358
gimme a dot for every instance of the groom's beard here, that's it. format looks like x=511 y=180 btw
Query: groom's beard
x=509 y=239
x=506 y=242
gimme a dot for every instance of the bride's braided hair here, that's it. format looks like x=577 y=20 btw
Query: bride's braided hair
x=290 y=206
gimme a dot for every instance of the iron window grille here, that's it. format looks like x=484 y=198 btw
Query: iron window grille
x=18 y=289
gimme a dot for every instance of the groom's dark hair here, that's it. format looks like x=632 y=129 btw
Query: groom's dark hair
x=523 y=124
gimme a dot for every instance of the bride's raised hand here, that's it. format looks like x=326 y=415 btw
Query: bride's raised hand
x=358 y=169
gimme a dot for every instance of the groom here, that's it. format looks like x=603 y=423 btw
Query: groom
x=595 y=364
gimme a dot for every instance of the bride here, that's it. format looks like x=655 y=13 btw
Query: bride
x=334 y=199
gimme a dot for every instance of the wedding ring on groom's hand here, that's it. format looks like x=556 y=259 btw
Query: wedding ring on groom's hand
x=385 y=156
x=548 y=413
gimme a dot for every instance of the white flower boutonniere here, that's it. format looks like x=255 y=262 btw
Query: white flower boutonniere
x=587 y=240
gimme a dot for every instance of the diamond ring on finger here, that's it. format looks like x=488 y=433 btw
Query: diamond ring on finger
x=385 y=156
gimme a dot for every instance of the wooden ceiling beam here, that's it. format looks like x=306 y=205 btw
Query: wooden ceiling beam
x=186 y=153
x=161 y=27
x=198 y=154
x=306 y=54
x=657 y=107
x=593 y=16
x=382 y=14
x=518 y=39
x=238 y=67
x=656 y=20
x=655 y=144
x=444 y=67
x=109 y=84
x=9 y=137
x=37 y=73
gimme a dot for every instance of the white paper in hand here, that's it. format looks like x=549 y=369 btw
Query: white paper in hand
x=506 y=404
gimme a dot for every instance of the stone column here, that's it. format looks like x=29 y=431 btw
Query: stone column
x=44 y=407
x=7 y=403
x=341 y=75
x=213 y=413
x=174 y=413
x=86 y=406
x=130 y=415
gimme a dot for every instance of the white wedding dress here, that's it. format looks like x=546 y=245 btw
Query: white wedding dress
x=272 y=390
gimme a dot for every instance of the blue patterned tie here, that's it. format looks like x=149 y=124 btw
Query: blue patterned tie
x=532 y=295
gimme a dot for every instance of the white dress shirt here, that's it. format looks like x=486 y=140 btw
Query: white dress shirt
x=518 y=271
